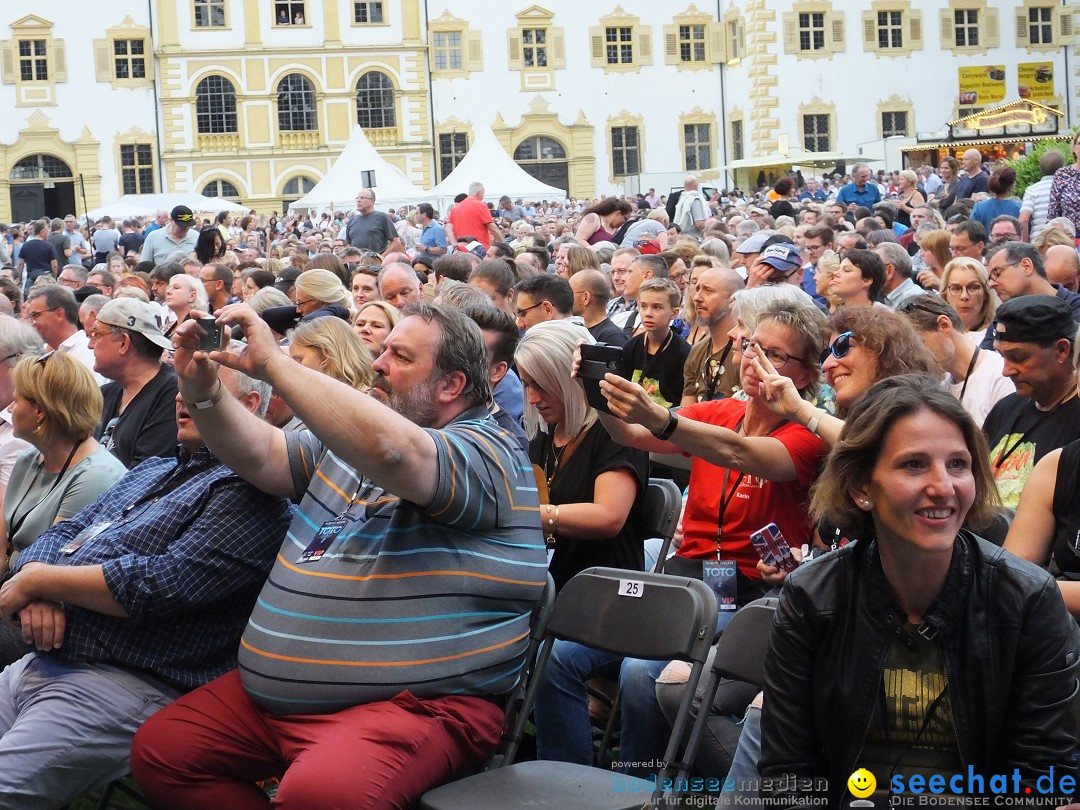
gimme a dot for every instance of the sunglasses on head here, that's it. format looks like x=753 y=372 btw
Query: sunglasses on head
x=839 y=347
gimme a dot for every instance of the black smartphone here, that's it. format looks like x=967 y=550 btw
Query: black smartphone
x=212 y=337
x=598 y=359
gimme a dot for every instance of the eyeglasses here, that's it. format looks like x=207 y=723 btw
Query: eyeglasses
x=776 y=357
x=10 y=357
x=521 y=313
x=33 y=316
x=960 y=248
x=107 y=435
x=972 y=289
x=43 y=359
x=995 y=274
x=98 y=333
x=813 y=248
x=839 y=347
x=300 y=303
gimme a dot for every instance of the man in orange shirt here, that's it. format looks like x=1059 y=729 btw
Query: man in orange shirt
x=471 y=217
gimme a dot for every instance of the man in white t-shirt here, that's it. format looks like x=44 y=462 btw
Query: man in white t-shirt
x=975 y=375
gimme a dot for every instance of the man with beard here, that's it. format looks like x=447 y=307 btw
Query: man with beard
x=396 y=616
x=709 y=371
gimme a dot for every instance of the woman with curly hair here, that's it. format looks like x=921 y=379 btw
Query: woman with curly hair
x=600 y=222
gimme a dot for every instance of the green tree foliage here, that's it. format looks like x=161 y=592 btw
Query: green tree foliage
x=1027 y=166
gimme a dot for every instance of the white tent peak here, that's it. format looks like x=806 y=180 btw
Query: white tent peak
x=338 y=189
x=487 y=162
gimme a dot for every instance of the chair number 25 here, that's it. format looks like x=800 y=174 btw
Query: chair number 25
x=631 y=587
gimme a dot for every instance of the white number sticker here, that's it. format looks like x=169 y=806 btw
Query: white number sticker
x=631 y=587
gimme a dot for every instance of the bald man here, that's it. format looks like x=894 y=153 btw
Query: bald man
x=709 y=371
x=592 y=290
x=1062 y=266
x=399 y=284
x=973 y=179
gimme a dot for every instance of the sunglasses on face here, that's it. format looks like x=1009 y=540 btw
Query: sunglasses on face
x=839 y=347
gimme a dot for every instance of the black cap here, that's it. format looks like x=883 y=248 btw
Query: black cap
x=1034 y=319
x=182 y=215
x=281 y=319
x=286 y=278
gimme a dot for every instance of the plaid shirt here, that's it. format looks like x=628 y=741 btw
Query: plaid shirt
x=186 y=548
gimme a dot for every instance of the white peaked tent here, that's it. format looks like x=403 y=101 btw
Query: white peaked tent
x=338 y=189
x=487 y=162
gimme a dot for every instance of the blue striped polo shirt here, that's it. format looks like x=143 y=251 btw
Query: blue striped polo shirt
x=435 y=601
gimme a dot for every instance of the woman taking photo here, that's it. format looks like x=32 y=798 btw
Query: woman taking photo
x=966 y=288
x=373 y=322
x=602 y=221
x=942 y=653
x=594 y=485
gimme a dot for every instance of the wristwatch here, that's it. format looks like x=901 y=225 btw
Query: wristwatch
x=214 y=399
x=669 y=428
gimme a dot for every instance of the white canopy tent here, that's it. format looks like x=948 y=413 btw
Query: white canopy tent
x=141 y=205
x=487 y=162
x=338 y=189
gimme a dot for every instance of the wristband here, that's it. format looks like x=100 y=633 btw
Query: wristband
x=214 y=399
x=669 y=428
x=815 y=420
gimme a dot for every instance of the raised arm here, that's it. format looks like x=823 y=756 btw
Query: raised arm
x=762 y=456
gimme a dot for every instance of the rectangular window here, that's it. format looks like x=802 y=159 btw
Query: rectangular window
x=33 y=63
x=446 y=47
x=811 y=31
x=625 y=151
x=137 y=168
x=534 y=48
x=735 y=49
x=816 y=133
x=737 y=151
x=619 y=45
x=697 y=140
x=209 y=13
x=129 y=58
x=368 y=13
x=290 y=12
x=893 y=124
x=452 y=148
x=890 y=29
x=692 y=43
x=1041 y=26
x=966 y=22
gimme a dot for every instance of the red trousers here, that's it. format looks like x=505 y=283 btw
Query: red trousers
x=210 y=747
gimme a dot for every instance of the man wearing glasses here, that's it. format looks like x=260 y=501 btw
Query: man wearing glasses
x=54 y=313
x=370 y=229
x=816 y=241
x=140 y=413
x=968 y=239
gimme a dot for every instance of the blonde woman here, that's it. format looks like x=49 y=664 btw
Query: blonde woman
x=330 y=346
x=910 y=196
x=184 y=294
x=321 y=291
x=373 y=322
x=827 y=265
x=935 y=253
x=966 y=288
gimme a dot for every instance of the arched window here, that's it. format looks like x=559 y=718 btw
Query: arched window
x=221 y=188
x=40 y=167
x=375 y=101
x=296 y=104
x=545 y=159
x=215 y=105
x=298 y=186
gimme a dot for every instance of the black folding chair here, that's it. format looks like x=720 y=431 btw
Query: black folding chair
x=630 y=613
x=663 y=507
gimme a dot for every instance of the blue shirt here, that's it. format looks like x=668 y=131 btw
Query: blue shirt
x=185 y=547
x=433 y=235
x=851 y=194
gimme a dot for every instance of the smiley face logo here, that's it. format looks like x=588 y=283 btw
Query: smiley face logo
x=861 y=783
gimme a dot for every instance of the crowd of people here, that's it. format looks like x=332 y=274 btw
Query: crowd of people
x=313 y=546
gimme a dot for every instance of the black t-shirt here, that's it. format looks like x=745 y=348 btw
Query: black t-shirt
x=147 y=427
x=1067 y=512
x=132 y=243
x=38 y=255
x=373 y=231
x=607 y=332
x=661 y=374
x=574 y=482
x=1020 y=435
x=782 y=208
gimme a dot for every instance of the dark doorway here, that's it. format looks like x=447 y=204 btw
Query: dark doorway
x=41 y=186
x=545 y=159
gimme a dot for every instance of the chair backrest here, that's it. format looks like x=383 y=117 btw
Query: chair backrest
x=637 y=614
x=663 y=506
x=740 y=652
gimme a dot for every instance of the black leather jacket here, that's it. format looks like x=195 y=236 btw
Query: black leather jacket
x=1008 y=645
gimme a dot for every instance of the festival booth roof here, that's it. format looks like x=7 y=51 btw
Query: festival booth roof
x=488 y=163
x=338 y=189
x=138 y=205
x=796 y=156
